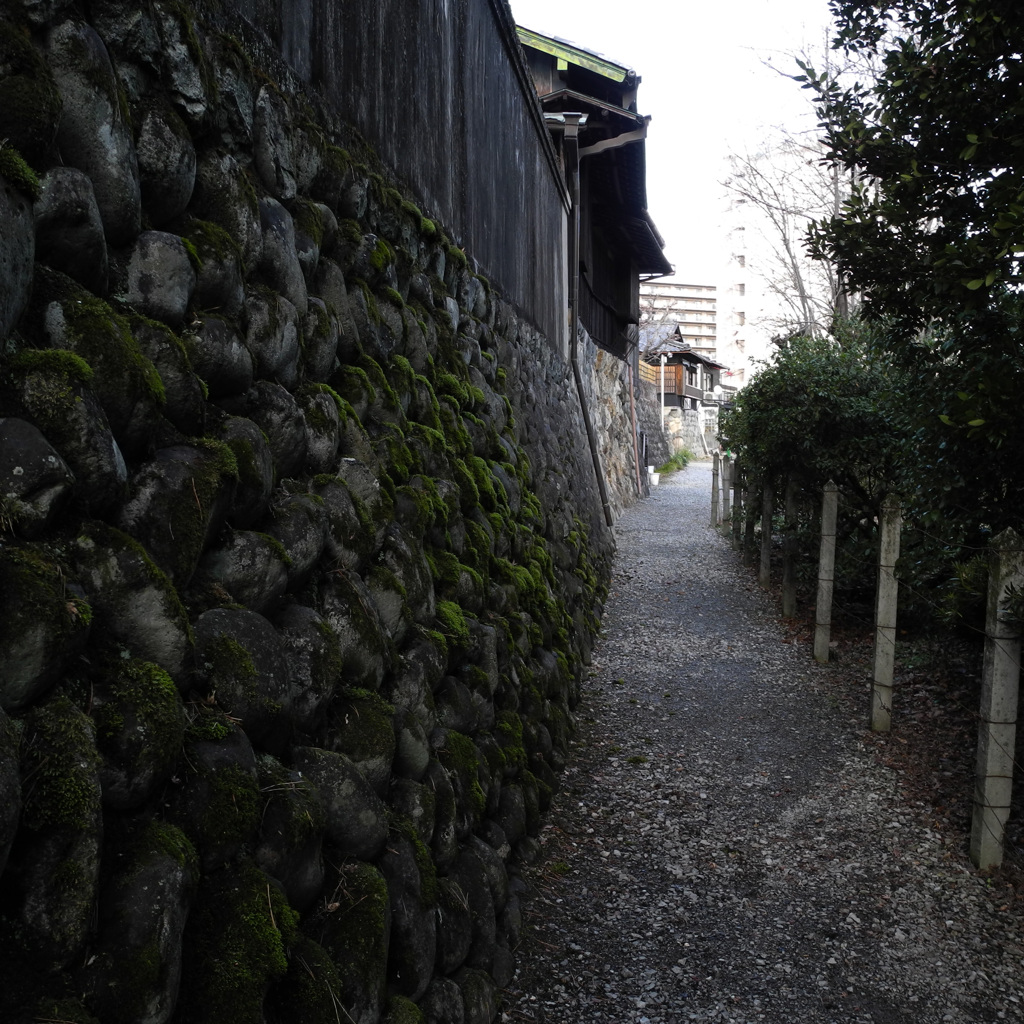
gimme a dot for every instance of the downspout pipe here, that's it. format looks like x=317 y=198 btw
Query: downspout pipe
x=632 y=416
x=571 y=124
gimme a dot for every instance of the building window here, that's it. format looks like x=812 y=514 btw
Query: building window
x=741 y=289
x=741 y=318
x=741 y=260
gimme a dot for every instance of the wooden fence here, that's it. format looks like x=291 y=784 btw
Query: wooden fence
x=997 y=715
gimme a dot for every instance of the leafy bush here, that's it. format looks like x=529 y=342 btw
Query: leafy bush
x=821 y=410
x=680 y=460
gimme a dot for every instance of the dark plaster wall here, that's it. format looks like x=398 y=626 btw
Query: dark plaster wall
x=440 y=90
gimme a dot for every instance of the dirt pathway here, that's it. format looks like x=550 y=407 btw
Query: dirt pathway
x=727 y=845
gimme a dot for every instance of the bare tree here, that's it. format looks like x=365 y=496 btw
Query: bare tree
x=776 y=192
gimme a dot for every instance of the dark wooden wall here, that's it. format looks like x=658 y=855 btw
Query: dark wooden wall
x=440 y=90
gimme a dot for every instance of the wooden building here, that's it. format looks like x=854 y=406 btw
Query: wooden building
x=590 y=105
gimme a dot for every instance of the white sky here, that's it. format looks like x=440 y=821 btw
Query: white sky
x=704 y=83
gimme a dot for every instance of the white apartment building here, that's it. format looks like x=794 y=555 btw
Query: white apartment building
x=697 y=309
x=692 y=306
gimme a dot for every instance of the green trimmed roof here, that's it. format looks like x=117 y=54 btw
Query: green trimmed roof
x=573 y=54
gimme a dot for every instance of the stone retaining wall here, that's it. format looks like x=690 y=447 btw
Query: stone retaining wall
x=684 y=429
x=301 y=554
x=659 y=447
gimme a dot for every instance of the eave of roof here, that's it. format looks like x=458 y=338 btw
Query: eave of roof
x=574 y=54
x=685 y=352
x=646 y=248
x=580 y=101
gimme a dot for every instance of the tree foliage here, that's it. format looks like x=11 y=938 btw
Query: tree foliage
x=818 y=411
x=935 y=224
x=824 y=410
x=932 y=235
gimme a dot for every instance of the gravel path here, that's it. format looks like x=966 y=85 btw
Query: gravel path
x=726 y=846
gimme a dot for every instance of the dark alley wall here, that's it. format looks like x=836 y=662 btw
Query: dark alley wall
x=301 y=551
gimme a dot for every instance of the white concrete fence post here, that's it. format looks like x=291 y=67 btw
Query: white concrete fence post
x=764 y=572
x=826 y=571
x=738 y=473
x=714 y=490
x=749 y=522
x=727 y=468
x=789 y=552
x=997 y=725
x=885 y=614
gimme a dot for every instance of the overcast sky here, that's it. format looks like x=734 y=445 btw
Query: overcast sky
x=705 y=84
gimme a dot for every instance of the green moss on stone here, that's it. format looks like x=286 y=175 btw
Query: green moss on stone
x=479 y=546
x=171 y=841
x=484 y=481
x=382 y=256
x=98 y=542
x=193 y=255
x=143 y=699
x=400 y=1010
x=279 y=550
x=434 y=439
x=207 y=723
x=102 y=337
x=233 y=808
x=355 y=386
x=276 y=783
x=350 y=233
x=509 y=731
x=467 y=485
x=229 y=664
x=337 y=159
x=309 y=219
x=446 y=383
x=456 y=435
x=311 y=991
x=195 y=48
x=14 y=168
x=461 y=757
x=424 y=862
x=54 y=361
x=250 y=474
x=438 y=639
x=237 y=939
x=447 y=571
x=384 y=578
x=453 y=623
x=400 y=460
x=379 y=380
x=430 y=509
x=355 y=928
x=33 y=582
x=209 y=241
x=457 y=256
x=61 y=765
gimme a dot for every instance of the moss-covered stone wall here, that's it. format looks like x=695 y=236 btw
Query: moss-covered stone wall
x=441 y=91
x=300 y=553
